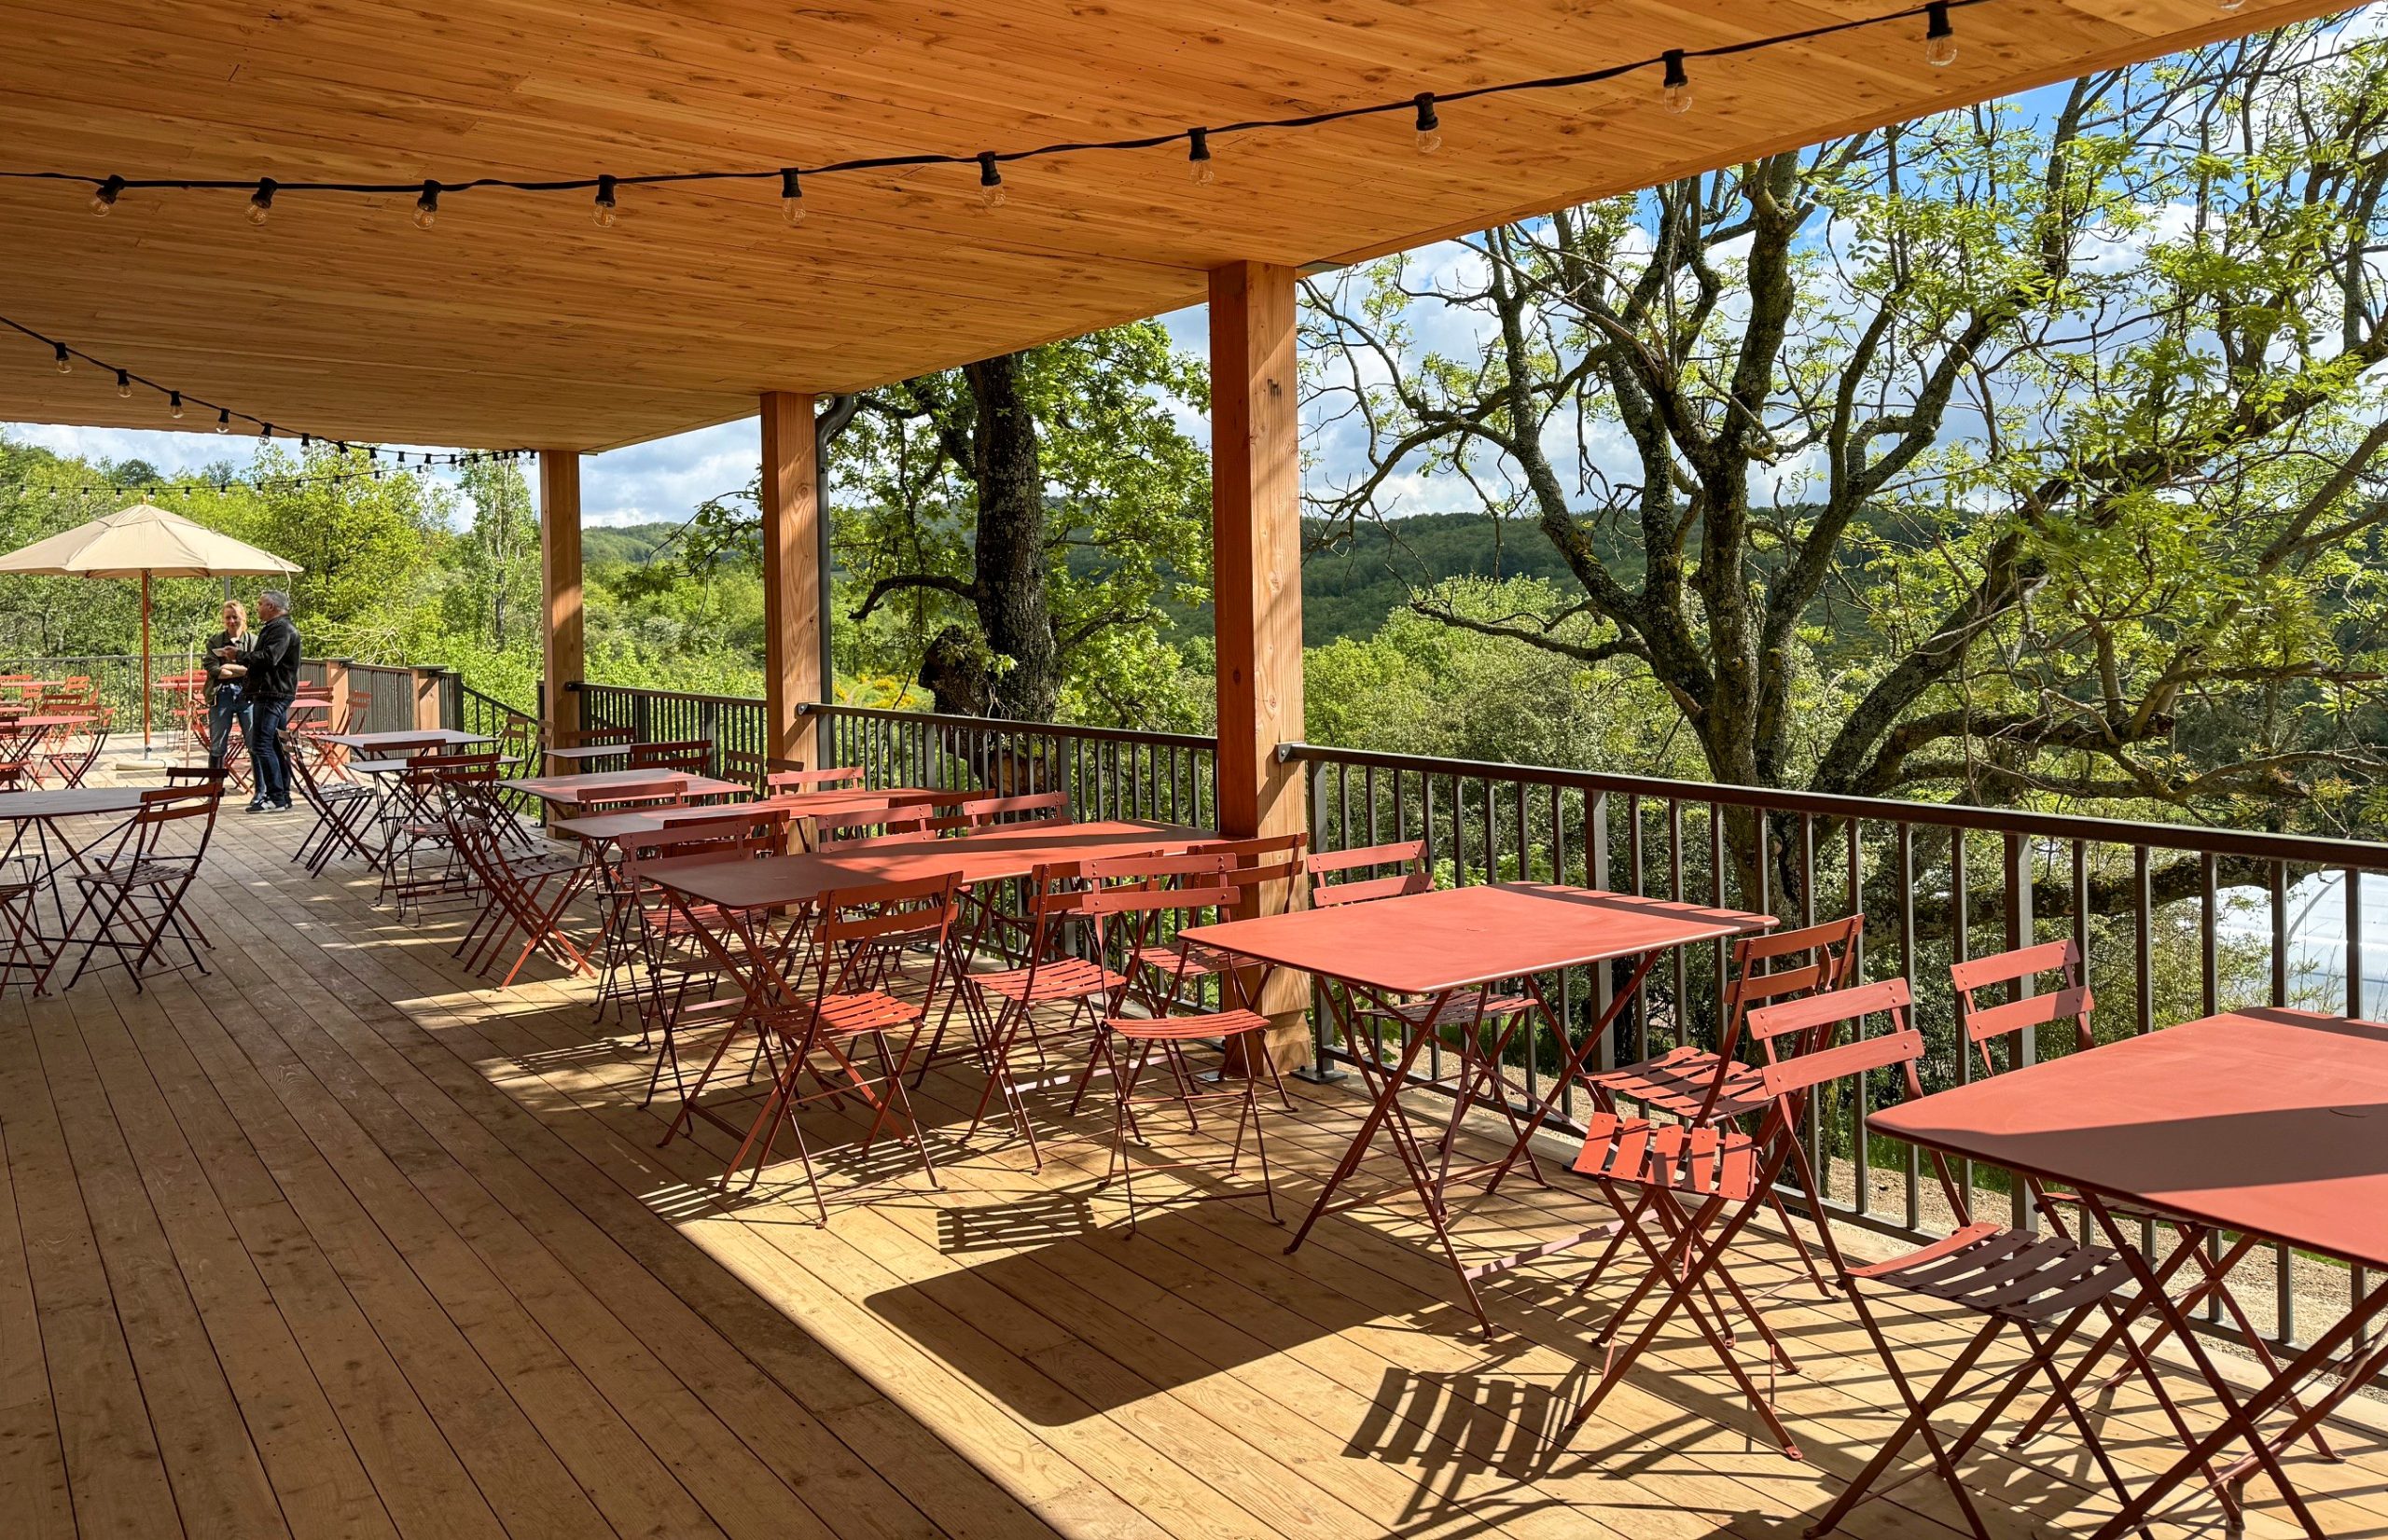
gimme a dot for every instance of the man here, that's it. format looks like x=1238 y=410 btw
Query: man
x=273 y=683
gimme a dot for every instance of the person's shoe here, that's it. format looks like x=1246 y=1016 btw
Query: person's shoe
x=282 y=807
x=258 y=807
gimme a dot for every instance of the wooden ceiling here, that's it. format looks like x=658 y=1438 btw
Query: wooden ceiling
x=517 y=321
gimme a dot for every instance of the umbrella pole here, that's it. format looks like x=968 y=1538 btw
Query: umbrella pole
x=144 y=663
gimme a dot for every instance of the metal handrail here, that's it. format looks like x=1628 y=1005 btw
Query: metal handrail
x=2304 y=850
x=1000 y=724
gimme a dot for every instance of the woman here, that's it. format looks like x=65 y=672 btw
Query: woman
x=227 y=653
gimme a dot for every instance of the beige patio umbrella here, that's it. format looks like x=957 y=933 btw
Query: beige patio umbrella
x=144 y=541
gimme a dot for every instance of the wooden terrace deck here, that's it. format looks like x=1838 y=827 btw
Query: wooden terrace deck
x=338 y=1241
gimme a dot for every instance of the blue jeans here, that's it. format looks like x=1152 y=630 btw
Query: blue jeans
x=266 y=718
x=227 y=706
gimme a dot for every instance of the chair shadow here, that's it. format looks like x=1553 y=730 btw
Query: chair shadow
x=1039 y=1219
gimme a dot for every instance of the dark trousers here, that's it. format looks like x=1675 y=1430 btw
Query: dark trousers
x=266 y=719
x=225 y=708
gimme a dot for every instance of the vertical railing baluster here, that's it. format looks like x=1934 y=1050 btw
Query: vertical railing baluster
x=1906 y=883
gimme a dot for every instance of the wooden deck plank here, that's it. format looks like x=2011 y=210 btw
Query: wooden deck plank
x=115 y=1473
x=423 y=1260
x=316 y=1478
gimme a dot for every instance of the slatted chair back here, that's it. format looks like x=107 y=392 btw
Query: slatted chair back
x=659 y=794
x=517 y=739
x=1791 y=1081
x=172 y=814
x=1144 y=901
x=1782 y=965
x=803 y=780
x=194 y=777
x=589 y=738
x=1269 y=858
x=836 y=831
x=1985 y=1025
x=968 y=814
x=689 y=756
x=1409 y=875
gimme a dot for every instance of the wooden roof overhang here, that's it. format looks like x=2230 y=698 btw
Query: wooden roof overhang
x=517 y=321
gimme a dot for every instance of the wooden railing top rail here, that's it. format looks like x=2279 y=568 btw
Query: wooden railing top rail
x=997 y=724
x=2313 y=850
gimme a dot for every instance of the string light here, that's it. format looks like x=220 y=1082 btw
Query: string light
x=1939 y=37
x=426 y=204
x=123 y=385
x=1676 y=86
x=265 y=430
x=223 y=420
x=791 y=196
x=1198 y=157
x=174 y=405
x=65 y=364
x=2228 y=5
x=1675 y=89
x=1430 y=127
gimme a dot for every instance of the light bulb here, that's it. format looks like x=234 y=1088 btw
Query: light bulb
x=2228 y=4
x=123 y=385
x=427 y=205
x=990 y=181
x=1676 y=88
x=791 y=196
x=1198 y=157
x=224 y=421
x=261 y=200
x=174 y=405
x=604 y=211
x=103 y=197
x=1939 y=37
x=65 y=364
x=1430 y=127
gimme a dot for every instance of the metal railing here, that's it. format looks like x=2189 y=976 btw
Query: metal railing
x=117 y=677
x=465 y=709
x=733 y=724
x=1109 y=772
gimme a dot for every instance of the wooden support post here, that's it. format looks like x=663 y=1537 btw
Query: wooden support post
x=560 y=586
x=796 y=577
x=1255 y=539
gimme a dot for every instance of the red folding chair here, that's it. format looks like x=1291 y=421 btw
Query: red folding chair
x=2043 y=1285
x=345 y=813
x=75 y=750
x=1001 y=1005
x=677 y=981
x=812 y=780
x=26 y=955
x=823 y=1029
x=1151 y=898
x=861 y=827
x=133 y=898
x=688 y=755
x=1698 y=1085
x=524 y=895
x=966 y=814
x=1702 y=1180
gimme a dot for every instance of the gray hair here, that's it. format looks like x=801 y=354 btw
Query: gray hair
x=277 y=598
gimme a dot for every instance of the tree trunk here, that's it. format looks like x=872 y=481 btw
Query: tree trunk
x=1009 y=550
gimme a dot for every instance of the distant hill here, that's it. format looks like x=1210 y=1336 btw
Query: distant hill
x=631 y=543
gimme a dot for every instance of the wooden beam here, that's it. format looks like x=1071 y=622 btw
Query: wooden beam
x=1255 y=536
x=796 y=636
x=560 y=586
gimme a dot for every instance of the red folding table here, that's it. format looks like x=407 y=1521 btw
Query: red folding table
x=738 y=890
x=39 y=815
x=1435 y=945
x=2266 y=1122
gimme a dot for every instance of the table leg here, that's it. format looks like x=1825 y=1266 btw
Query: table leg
x=1573 y=1068
x=2240 y=1420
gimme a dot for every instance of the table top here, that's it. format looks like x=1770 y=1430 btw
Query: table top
x=399 y=766
x=1425 y=943
x=69 y=801
x=2270 y=1122
x=567 y=788
x=787 y=880
x=416 y=738
x=49 y=721
x=589 y=751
